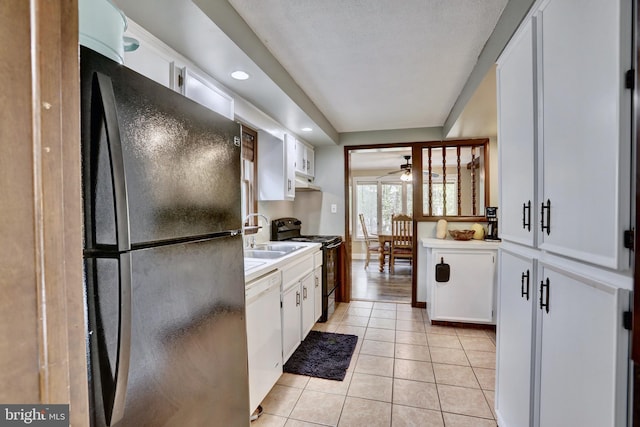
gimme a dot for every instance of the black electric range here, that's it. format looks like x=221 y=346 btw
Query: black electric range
x=288 y=229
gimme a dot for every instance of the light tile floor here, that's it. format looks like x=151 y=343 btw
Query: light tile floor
x=404 y=372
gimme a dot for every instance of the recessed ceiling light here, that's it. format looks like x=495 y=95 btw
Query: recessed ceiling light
x=306 y=129
x=240 y=75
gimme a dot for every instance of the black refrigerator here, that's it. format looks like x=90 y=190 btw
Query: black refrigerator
x=163 y=255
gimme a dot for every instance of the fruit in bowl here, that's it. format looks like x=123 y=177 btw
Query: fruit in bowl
x=462 y=234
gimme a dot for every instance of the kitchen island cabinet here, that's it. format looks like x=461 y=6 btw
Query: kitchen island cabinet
x=469 y=294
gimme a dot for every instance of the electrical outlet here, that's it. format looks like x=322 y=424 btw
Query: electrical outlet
x=334 y=208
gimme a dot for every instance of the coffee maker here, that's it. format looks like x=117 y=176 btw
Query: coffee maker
x=492 y=226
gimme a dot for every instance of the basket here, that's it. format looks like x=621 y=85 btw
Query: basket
x=462 y=234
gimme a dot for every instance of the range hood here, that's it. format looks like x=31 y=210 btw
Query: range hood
x=304 y=184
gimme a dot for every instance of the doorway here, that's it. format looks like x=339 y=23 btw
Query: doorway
x=378 y=186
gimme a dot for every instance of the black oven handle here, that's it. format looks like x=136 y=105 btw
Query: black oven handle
x=335 y=245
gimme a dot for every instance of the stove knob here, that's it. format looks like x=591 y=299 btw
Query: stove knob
x=280 y=223
x=297 y=222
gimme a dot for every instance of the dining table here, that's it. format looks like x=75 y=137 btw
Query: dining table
x=384 y=241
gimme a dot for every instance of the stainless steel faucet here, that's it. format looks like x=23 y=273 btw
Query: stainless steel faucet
x=252 y=242
x=244 y=222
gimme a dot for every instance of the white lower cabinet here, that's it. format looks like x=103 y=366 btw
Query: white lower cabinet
x=562 y=355
x=291 y=320
x=307 y=287
x=583 y=352
x=298 y=303
x=515 y=332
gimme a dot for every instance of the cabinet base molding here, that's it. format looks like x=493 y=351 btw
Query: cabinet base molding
x=464 y=325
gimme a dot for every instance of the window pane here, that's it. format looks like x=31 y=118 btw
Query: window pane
x=391 y=203
x=367 y=196
x=409 y=200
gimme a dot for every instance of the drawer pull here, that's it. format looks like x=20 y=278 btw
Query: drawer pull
x=522 y=290
x=544 y=295
x=545 y=225
x=526 y=215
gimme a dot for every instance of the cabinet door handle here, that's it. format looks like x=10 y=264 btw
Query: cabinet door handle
x=544 y=295
x=526 y=215
x=546 y=225
x=525 y=293
x=288 y=184
x=298 y=298
x=304 y=292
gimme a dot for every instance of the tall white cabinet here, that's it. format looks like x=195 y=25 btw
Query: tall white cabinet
x=564 y=140
x=584 y=128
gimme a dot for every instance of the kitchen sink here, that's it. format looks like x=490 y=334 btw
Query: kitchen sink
x=279 y=247
x=264 y=254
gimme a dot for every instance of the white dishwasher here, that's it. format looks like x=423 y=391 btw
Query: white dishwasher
x=264 y=335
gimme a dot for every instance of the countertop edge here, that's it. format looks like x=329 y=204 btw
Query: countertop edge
x=274 y=264
x=430 y=242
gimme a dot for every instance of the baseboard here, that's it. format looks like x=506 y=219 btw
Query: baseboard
x=421 y=304
x=463 y=325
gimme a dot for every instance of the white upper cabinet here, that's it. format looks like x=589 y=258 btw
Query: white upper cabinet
x=584 y=129
x=290 y=171
x=158 y=62
x=199 y=89
x=304 y=159
x=516 y=124
x=565 y=132
x=149 y=59
x=276 y=173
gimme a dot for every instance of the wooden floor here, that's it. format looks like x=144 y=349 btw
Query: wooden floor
x=371 y=285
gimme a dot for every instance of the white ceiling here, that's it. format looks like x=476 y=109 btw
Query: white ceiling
x=334 y=65
x=376 y=64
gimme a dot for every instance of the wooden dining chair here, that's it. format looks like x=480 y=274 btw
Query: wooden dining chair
x=370 y=241
x=401 y=239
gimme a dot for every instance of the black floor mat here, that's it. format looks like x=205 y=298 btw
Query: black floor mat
x=323 y=355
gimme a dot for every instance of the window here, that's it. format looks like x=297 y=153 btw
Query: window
x=249 y=182
x=377 y=199
x=454 y=179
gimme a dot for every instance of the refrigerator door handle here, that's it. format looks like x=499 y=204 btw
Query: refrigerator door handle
x=124 y=341
x=103 y=89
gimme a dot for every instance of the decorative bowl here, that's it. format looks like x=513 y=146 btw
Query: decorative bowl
x=462 y=234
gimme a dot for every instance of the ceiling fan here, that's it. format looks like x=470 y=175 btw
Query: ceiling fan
x=405 y=170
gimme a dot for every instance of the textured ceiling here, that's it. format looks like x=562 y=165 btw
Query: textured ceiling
x=376 y=64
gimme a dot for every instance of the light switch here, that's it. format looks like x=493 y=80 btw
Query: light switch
x=334 y=208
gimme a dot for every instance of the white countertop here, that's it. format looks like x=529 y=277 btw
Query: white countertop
x=255 y=268
x=430 y=242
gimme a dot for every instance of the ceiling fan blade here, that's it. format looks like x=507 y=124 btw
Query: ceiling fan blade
x=389 y=173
